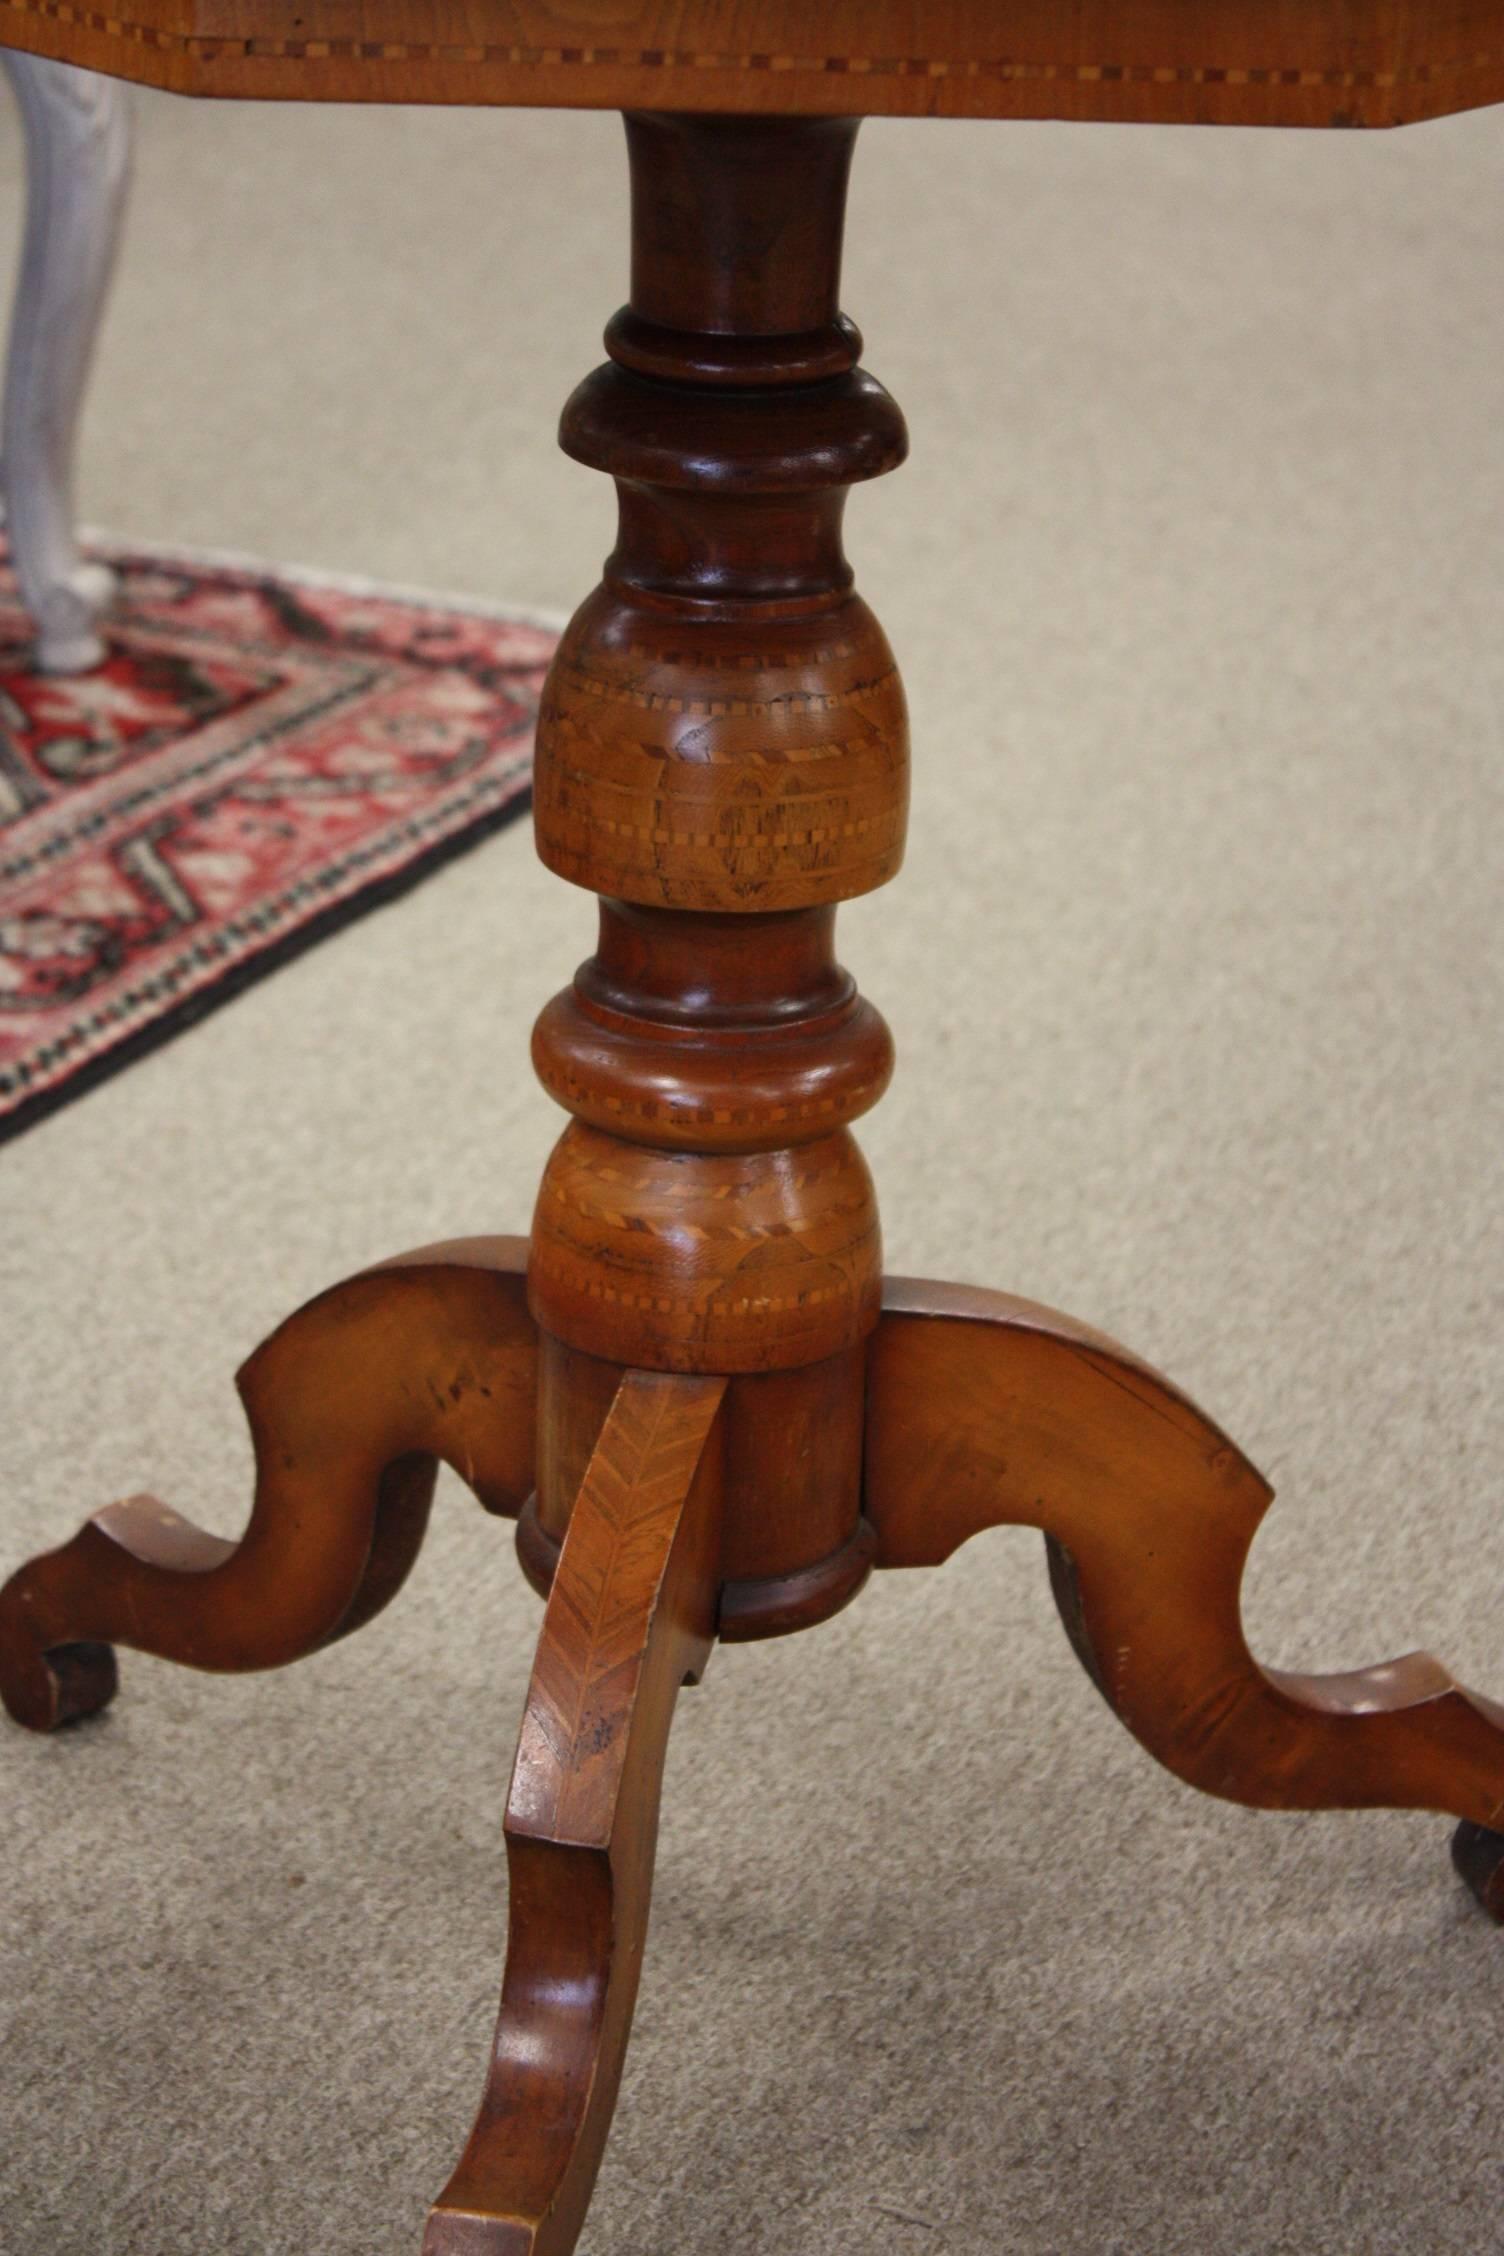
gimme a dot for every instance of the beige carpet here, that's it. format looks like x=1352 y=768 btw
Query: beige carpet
x=1196 y=973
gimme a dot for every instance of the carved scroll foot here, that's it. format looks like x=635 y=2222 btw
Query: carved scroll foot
x=987 y=1411
x=631 y=1614
x=351 y=1403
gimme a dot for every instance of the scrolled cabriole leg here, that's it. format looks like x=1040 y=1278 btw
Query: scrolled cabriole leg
x=630 y=1616
x=351 y=1403
x=985 y=1411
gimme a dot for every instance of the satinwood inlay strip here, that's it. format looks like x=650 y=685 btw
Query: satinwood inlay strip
x=1007 y=70
x=600 y=1611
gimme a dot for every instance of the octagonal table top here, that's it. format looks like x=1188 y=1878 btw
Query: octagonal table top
x=1249 y=62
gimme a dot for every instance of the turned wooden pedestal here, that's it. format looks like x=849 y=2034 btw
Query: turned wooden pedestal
x=691 y=1387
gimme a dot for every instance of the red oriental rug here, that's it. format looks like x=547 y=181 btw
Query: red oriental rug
x=263 y=756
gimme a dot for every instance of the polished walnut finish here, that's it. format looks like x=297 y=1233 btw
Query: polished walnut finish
x=690 y=1386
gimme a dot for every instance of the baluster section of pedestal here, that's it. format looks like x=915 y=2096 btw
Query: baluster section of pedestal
x=723 y=757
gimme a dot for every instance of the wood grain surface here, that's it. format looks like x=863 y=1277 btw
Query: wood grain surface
x=722 y=757
x=1231 y=62
x=986 y=1411
x=631 y=1614
x=795 y=1548
x=351 y=1403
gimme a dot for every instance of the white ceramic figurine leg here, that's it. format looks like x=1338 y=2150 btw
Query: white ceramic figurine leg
x=77 y=160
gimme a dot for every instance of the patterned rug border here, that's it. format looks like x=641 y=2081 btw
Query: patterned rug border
x=99 y=544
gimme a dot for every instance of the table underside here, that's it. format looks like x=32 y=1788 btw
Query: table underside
x=1216 y=62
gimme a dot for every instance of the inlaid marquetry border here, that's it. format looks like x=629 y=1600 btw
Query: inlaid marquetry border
x=1002 y=69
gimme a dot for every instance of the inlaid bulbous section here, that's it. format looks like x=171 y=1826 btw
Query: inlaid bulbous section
x=723 y=728
x=690 y=1261
x=746 y=763
x=723 y=756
